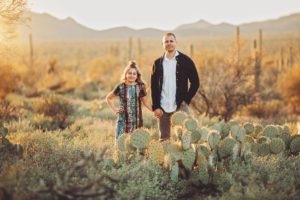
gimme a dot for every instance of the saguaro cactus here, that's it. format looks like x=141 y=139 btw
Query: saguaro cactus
x=130 y=48
x=140 y=50
x=31 y=51
x=257 y=66
x=192 y=50
x=238 y=43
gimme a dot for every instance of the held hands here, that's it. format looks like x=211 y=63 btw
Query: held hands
x=118 y=110
x=158 y=113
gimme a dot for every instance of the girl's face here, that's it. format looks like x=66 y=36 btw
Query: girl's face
x=131 y=75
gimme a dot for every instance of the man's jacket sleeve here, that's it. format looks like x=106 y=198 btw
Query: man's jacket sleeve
x=194 y=82
x=155 y=88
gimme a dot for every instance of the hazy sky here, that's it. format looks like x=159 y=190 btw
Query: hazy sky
x=163 y=14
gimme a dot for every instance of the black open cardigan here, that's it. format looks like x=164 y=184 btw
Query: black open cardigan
x=185 y=72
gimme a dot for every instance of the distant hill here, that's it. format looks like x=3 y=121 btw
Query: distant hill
x=45 y=27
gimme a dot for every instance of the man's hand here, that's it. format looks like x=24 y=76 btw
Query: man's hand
x=158 y=113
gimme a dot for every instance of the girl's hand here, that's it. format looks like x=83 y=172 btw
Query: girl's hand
x=118 y=110
x=158 y=113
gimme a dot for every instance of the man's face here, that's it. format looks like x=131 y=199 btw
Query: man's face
x=169 y=43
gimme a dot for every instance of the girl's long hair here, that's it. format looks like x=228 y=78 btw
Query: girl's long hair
x=132 y=65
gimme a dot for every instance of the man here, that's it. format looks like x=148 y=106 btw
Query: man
x=169 y=84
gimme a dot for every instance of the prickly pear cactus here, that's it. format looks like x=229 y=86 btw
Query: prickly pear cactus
x=200 y=159
x=233 y=123
x=204 y=133
x=295 y=145
x=178 y=133
x=186 y=141
x=174 y=172
x=213 y=139
x=225 y=147
x=249 y=127
x=286 y=129
x=121 y=142
x=119 y=157
x=178 y=118
x=154 y=135
x=277 y=145
x=212 y=159
x=195 y=135
x=263 y=149
x=169 y=161
x=217 y=127
x=203 y=149
x=174 y=149
x=140 y=138
x=191 y=124
x=188 y=158
x=245 y=149
x=238 y=133
x=287 y=138
x=156 y=152
x=203 y=174
x=249 y=139
x=263 y=139
x=270 y=131
x=258 y=129
x=225 y=130
x=128 y=146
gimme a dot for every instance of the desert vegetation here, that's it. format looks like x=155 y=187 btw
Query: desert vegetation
x=57 y=134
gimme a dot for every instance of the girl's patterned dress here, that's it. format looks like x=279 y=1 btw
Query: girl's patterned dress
x=130 y=102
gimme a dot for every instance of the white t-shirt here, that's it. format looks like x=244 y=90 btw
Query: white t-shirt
x=168 y=93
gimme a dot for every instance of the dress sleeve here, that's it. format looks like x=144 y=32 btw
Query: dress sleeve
x=117 y=90
x=143 y=90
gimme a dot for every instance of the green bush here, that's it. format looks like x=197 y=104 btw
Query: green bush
x=54 y=113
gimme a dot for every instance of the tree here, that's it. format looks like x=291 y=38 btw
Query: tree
x=226 y=84
x=10 y=14
x=224 y=90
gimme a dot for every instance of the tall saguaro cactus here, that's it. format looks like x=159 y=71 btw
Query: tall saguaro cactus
x=140 y=50
x=281 y=58
x=257 y=66
x=192 y=51
x=291 y=57
x=258 y=60
x=31 y=51
x=130 y=48
x=260 y=43
x=238 y=43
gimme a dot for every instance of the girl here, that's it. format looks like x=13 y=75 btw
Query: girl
x=131 y=92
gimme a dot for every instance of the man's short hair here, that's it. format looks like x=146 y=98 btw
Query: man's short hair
x=170 y=34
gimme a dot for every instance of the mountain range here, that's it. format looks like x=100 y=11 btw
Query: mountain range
x=45 y=27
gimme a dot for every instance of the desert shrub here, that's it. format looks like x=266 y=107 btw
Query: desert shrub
x=145 y=180
x=289 y=85
x=9 y=79
x=105 y=70
x=54 y=112
x=88 y=91
x=270 y=177
x=265 y=109
x=7 y=111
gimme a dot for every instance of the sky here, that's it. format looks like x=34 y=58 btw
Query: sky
x=163 y=14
